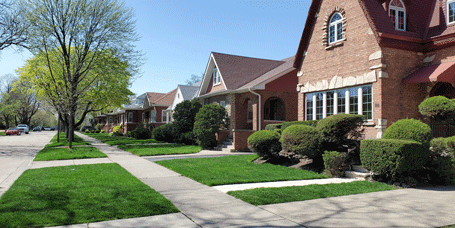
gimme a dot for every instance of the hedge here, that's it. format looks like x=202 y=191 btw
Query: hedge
x=272 y=127
x=409 y=129
x=265 y=143
x=301 y=139
x=393 y=157
x=312 y=123
x=335 y=162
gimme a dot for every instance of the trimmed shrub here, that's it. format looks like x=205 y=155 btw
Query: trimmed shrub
x=265 y=143
x=438 y=108
x=185 y=114
x=409 y=129
x=209 y=120
x=186 y=138
x=102 y=131
x=441 y=165
x=393 y=157
x=97 y=131
x=164 y=133
x=141 y=133
x=312 y=123
x=99 y=126
x=87 y=131
x=301 y=139
x=335 y=162
x=341 y=128
x=272 y=127
x=117 y=131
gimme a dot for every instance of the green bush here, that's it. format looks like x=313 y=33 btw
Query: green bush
x=441 y=166
x=272 y=127
x=164 y=133
x=102 y=131
x=97 y=131
x=186 y=138
x=185 y=114
x=141 y=133
x=301 y=139
x=409 y=129
x=335 y=162
x=117 y=131
x=393 y=157
x=99 y=126
x=265 y=143
x=438 y=108
x=209 y=120
x=87 y=131
x=312 y=123
x=341 y=128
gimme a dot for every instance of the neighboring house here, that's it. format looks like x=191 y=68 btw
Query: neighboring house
x=183 y=93
x=255 y=92
x=377 y=58
x=155 y=109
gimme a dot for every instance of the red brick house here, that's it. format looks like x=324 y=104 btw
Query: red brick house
x=255 y=92
x=378 y=58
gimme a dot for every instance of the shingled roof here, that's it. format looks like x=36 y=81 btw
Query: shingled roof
x=426 y=30
x=167 y=99
x=153 y=97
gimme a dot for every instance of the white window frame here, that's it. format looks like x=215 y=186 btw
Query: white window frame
x=448 y=15
x=335 y=26
x=163 y=116
x=223 y=104
x=152 y=120
x=216 y=77
x=397 y=10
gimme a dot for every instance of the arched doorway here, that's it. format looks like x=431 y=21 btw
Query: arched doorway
x=443 y=89
x=274 y=109
x=442 y=129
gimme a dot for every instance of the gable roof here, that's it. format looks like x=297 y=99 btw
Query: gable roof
x=153 y=97
x=427 y=29
x=187 y=91
x=167 y=99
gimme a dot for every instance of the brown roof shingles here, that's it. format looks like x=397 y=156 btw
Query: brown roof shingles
x=153 y=97
x=167 y=99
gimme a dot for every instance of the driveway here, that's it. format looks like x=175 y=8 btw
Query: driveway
x=16 y=154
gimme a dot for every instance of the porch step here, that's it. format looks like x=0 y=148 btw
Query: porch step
x=227 y=146
x=358 y=172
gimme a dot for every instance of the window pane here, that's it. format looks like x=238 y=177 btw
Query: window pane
x=392 y=16
x=339 y=31
x=341 y=101
x=332 y=34
x=319 y=105
x=401 y=20
x=353 y=101
x=367 y=102
x=335 y=17
x=451 y=12
x=309 y=106
x=329 y=103
x=153 y=116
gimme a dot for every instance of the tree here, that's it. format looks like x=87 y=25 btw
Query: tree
x=73 y=38
x=194 y=78
x=209 y=121
x=12 y=30
x=185 y=114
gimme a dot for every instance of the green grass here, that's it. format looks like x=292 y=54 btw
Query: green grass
x=2 y=133
x=166 y=149
x=119 y=140
x=78 y=194
x=263 y=196
x=48 y=154
x=64 y=141
x=234 y=170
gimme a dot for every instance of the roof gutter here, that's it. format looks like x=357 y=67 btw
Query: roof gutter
x=259 y=107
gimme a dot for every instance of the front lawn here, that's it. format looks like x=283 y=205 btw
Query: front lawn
x=48 y=154
x=2 y=134
x=119 y=140
x=78 y=194
x=263 y=196
x=162 y=149
x=64 y=141
x=235 y=170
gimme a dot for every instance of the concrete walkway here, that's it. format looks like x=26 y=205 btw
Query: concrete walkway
x=203 y=206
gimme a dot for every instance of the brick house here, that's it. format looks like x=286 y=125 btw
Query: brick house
x=378 y=58
x=255 y=92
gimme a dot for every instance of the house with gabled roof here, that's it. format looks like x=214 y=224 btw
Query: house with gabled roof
x=183 y=93
x=377 y=58
x=255 y=92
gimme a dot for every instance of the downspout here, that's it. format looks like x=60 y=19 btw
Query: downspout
x=259 y=107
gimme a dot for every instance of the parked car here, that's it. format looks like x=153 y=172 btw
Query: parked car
x=37 y=128
x=90 y=128
x=24 y=128
x=13 y=131
x=53 y=128
x=47 y=128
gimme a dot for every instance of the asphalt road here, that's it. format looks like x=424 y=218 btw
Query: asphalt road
x=16 y=154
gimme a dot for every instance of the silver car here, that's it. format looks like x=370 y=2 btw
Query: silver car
x=24 y=128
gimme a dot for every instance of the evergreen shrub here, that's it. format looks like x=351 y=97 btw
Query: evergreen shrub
x=265 y=143
x=141 y=133
x=164 y=133
x=409 y=129
x=335 y=162
x=341 y=127
x=439 y=108
x=272 y=127
x=312 y=123
x=301 y=139
x=209 y=120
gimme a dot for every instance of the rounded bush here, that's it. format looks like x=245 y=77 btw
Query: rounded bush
x=335 y=162
x=301 y=139
x=409 y=129
x=438 y=108
x=164 y=133
x=87 y=131
x=99 y=126
x=141 y=133
x=338 y=128
x=312 y=123
x=209 y=121
x=272 y=127
x=265 y=143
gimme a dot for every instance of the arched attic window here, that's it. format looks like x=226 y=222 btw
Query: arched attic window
x=216 y=77
x=397 y=14
x=335 y=28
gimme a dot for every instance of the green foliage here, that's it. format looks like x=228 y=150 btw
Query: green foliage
x=438 y=108
x=102 y=131
x=272 y=127
x=312 y=123
x=164 y=133
x=301 y=139
x=209 y=120
x=117 y=131
x=186 y=138
x=341 y=128
x=409 y=129
x=393 y=157
x=185 y=114
x=335 y=162
x=141 y=133
x=87 y=131
x=441 y=166
x=99 y=126
x=265 y=143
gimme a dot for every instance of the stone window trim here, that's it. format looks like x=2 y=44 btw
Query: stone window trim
x=449 y=22
x=325 y=27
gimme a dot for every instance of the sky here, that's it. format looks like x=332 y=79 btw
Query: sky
x=177 y=37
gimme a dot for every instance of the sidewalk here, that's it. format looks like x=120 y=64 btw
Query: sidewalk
x=203 y=206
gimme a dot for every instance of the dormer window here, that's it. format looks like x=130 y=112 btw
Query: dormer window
x=335 y=28
x=450 y=11
x=397 y=14
x=216 y=77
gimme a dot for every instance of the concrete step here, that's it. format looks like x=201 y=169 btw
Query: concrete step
x=354 y=174
x=359 y=168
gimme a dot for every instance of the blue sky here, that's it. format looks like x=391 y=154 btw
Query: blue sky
x=178 y=36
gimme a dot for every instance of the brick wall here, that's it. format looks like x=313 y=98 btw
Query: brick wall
x=241 y=139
